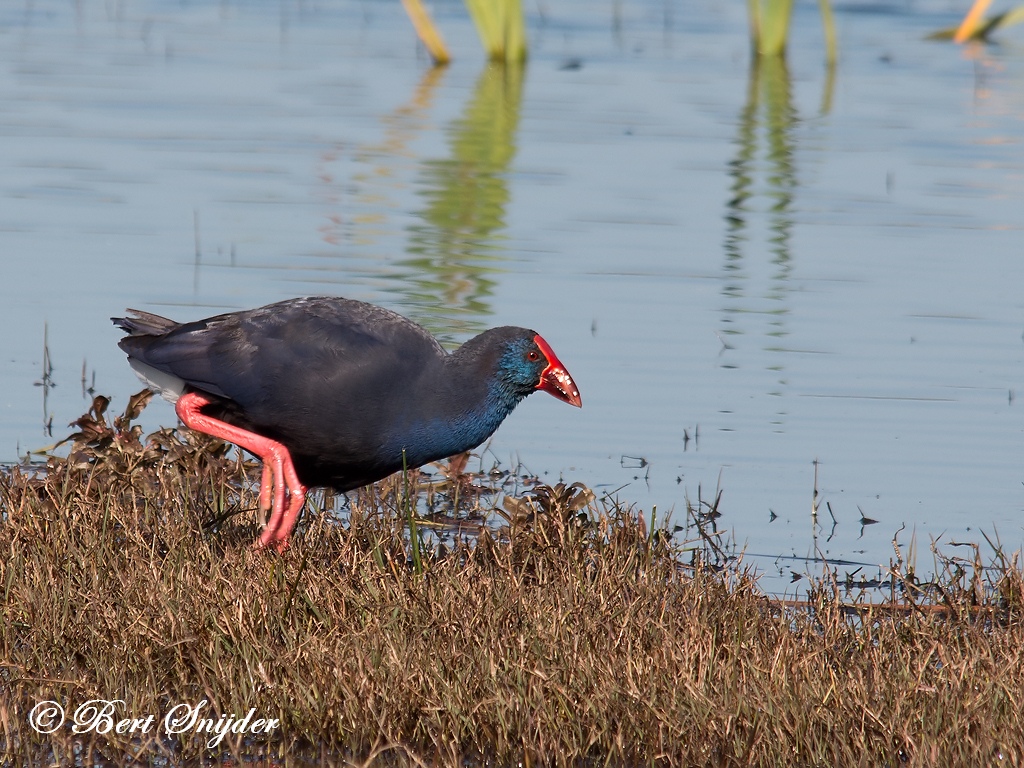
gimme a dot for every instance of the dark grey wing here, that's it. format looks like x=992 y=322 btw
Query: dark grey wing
x=297 y=351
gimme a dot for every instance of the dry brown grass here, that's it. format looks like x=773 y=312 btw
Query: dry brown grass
x=575 y=635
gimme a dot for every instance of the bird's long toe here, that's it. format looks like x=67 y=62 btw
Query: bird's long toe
x=266 y=490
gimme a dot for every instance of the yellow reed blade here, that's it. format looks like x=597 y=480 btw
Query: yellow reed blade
x=972 y=21
x=426 y=31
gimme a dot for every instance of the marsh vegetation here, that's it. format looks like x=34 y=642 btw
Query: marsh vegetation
x=541 y=625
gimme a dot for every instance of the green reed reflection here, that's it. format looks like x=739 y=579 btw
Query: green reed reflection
x=763 y=184
x=458 y=248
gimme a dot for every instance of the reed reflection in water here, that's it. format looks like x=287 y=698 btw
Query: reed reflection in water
x=760 y=219
x=452 y=251
x=458 y=247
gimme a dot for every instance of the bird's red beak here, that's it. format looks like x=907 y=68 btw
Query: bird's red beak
x=555 y=379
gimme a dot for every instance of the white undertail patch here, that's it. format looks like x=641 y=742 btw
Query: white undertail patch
x=169 y=386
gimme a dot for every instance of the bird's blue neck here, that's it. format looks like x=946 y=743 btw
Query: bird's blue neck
x=459 y=427
x=459 y=403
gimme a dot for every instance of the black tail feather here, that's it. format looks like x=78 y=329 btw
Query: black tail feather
x=141 y=323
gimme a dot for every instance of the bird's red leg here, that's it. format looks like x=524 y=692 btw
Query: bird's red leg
x=278 y=468
x=280 y=526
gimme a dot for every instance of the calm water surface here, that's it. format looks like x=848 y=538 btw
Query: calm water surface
x=746 y=271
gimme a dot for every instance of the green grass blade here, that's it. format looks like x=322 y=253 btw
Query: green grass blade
x=487 y=17
x=410 y=516
x=828 y=22
x=774 y=27
x=754 y=8
x=501 y=28
x=515 y=32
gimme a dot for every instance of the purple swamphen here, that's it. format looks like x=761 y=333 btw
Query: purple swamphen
x=334 y=392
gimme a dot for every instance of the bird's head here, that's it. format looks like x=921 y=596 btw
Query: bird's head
x=528 y=363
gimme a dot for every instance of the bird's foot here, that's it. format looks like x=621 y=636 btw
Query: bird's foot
x=278 y=545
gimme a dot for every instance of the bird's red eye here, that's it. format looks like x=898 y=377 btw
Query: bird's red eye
x=533 y=355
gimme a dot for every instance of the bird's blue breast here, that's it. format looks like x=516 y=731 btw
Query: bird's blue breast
x=431 y=439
